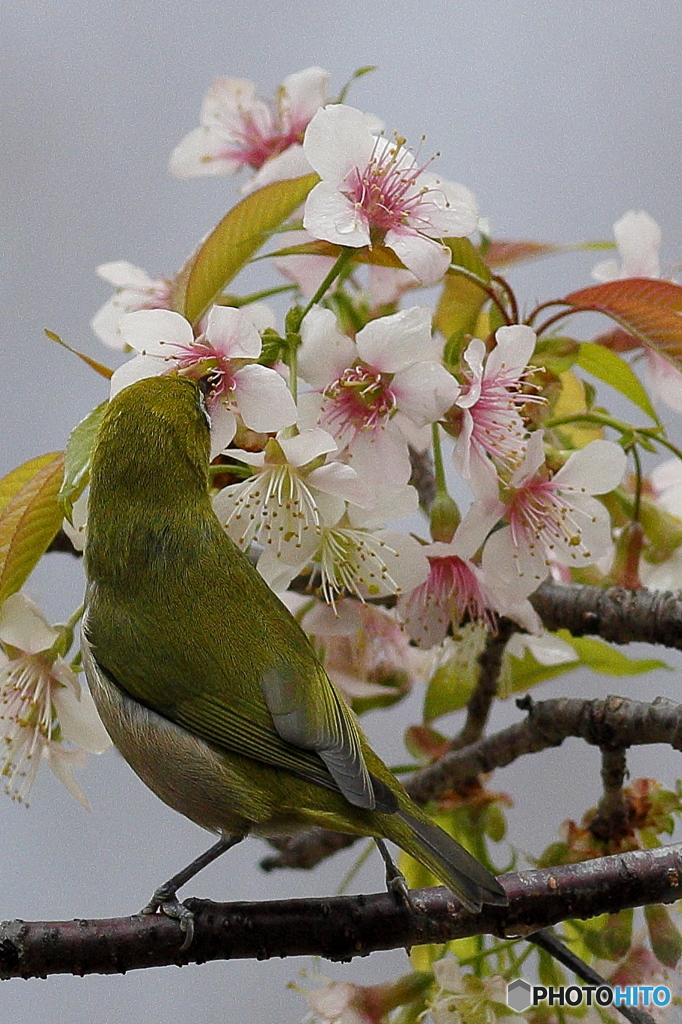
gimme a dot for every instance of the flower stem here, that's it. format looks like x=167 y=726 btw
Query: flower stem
x=342 y=260
x=439 y=472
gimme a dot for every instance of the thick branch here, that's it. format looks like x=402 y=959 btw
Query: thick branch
x=339 y=928
x=615 y=614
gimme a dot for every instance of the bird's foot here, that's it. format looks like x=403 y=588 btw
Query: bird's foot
x=168 y=903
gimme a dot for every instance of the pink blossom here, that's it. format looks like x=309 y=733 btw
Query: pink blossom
x=492 y=397
x=239 y=130
x=135 y=289
x=456 y=591
x=550 y=518
x=364 y=388
x=226 y=352
x=42 y=704
x=374 y=192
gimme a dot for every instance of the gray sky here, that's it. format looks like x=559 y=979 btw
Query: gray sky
x=560 y=118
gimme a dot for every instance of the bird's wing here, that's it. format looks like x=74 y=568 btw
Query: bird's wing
x=298 y=727
x=325 y=725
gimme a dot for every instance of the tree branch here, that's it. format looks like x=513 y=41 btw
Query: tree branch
x=615 y=722
x=613 y=613
x=342 y=927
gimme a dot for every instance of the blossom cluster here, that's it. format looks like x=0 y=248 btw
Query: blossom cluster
x=318 y=420
x=417 y=470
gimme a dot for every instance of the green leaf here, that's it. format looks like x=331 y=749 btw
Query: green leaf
x=29 y=520
x=601 y=657
x=233 y=242
x=527 y=671
x=446 y=692
x=77 y=464
x=608 y=366
x=462 y=298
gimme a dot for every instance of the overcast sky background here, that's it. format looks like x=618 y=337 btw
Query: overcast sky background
x=560 y=117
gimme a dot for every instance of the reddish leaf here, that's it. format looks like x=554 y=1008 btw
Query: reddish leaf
x=506 y=253
x=645 y=307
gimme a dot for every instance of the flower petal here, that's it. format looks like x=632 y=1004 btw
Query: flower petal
x=337 y=140
x=395 y=342
x=597 y=468
x=263 y=398
x=232 y=334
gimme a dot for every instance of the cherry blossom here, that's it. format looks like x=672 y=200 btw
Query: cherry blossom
x=456 y=591
x=465 y=997
x=492 y=397
x=226 y=351
x=357 y=554
x=135 y=289
x=239 y=130
x=364 y=649
x=283 y=505
x=550 y=518
x=392 y=372
x=42 y=704
x=374 y=192
x=638 y=238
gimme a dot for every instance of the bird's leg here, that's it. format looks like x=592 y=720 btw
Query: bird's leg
x=395 y=879
x=165 y=899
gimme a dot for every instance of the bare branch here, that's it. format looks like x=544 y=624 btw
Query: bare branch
x=612 y=813
x=339 y=928
x=485 y=691
x=615 y=614
x=615 y=722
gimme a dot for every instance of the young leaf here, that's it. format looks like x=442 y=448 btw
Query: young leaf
x=612 y=369
x=506 y=254
x=15 y=480
x=601 y=657
x=99 y=368
x=462 y=298
x=231 y=244
x=647 y=308
x=77 y=464
x=29 y=520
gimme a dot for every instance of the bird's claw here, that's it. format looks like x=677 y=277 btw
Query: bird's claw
x=396 y=884
x=170 y=905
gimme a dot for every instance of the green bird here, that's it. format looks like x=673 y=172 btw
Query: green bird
x=205 y=682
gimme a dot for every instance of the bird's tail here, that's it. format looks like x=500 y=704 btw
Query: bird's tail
x=448 y=861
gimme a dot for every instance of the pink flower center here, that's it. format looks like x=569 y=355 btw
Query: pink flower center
x=360 y=399
x=386 y=191
x=454 y=585
x=200 y=359
x=255 y=143
x=540 y=513
x=497 y=426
